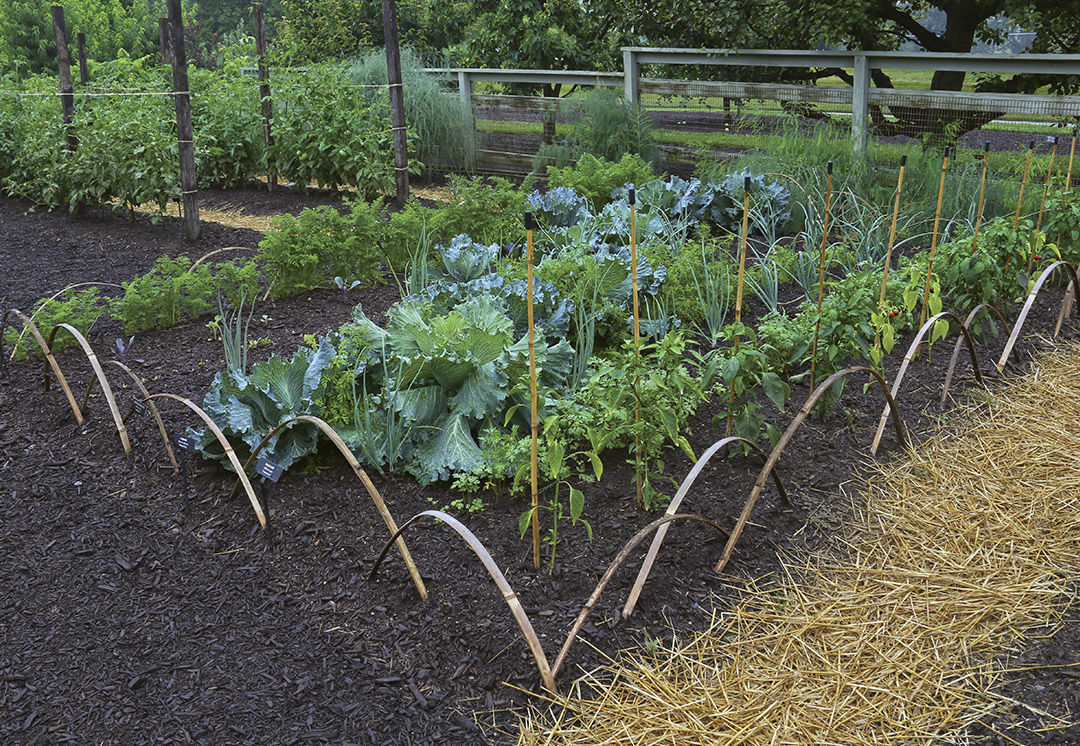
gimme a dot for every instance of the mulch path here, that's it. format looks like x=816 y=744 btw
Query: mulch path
x=126 y=620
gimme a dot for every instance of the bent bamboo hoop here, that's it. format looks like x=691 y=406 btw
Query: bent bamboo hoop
x=763 y=477
x=229 y=452
x=913 y=349
x=661 y=523
x=360 y=474
x=684 y=488
x=206 y=256
x=496 y=574
x=49 y=359
x=153 y=410
x=91 y=356
x=956 y=347
x=1073 y=282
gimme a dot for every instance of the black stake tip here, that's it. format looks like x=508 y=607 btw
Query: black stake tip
x=632 y=195
x=528 y=220
x=828 y=169
x=986 y=146
x=746 y=184
x=1031 y=145
x=903 y=160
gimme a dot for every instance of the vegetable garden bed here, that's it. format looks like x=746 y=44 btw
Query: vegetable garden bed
x=122 y=610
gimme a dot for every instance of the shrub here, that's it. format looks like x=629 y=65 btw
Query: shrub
x=165 y=295
x=227 y=119
x=607 y=126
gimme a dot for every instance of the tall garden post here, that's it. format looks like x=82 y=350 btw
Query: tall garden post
x=892 y=229
x=182 y=97
x=397 y=100
x=821 y=274
x=63 y=64
x=1023 y=183
x=934 y=238
x=165 y=40
x=739 y=290
x=533 y=398
x=637 y=340
x=264 y=92
x=80 y=45
x=982 y=194
x=1071 y=292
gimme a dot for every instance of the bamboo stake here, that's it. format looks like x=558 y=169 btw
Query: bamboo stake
x=821 y=275
x=739 y=290
x=1046 y=187
x=1070 y=293
x=637 y=341
x=532 y=391
x=982 y=195
x=892 y=229
x=1023 y=183
x=934 y=238
x=1042 y=208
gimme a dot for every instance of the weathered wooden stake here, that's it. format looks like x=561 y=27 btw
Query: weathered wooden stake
x=63 y=63
x=397 y=100
x=533 y=398
x=982 y=194
x=165 y=41
x=84 y=71
x=892 y=229
x=264 y=92
x=821 y=276
x=934 y=238
x=182 y=97
x=1023 y=183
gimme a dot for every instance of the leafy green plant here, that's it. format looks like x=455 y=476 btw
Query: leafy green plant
x=306 y=251
x=1063 y=223
x=164 y=296
x=595 y=178
x=248 y=406
x=743 y=370
x=81 y=310
x=608 y=126
x=558 y=472
x=993 y=272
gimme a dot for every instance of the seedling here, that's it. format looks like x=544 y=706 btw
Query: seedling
x=340 y=283
x=122 y=348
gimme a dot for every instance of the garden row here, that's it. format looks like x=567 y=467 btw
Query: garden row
x=441 y=391
x=331 y=126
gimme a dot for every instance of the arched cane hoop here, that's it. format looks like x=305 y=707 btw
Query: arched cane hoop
x=659 y=523
x=496 y=574
x=684 y=488
x=956 y=347
x=913 y=348
x=229 y=453
x=362 y=475
x=759 y=485
x=49 y=359
x=153 y=410
x=1075 y=282
x=106 y=389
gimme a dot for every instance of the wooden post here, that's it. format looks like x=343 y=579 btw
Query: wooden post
x=533 y=397
x=188 y=181
x=165 y=40
x=397 y=99
x=264 y=93
x=63 y=63
x=860 y=99
x=465 y=91
x=84 y=72
x=631 y=77
x=1046 y=188
x=730 y=426
x=1023 y=183
x=821 y=276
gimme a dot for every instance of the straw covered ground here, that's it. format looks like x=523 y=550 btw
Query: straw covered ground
x=899 y=633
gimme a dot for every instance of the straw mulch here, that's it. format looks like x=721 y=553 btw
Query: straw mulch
x=897 y=635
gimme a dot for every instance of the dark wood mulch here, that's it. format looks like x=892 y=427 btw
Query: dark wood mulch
x=125 y=620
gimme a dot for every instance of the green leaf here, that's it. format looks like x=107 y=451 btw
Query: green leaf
x=730 y=370
x=555 y=459
x=524 y=521
x=776 y=389
x=577 y=504
x=597 y=464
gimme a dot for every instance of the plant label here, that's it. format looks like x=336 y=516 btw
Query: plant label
x=185 y=443
x=267 y=469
